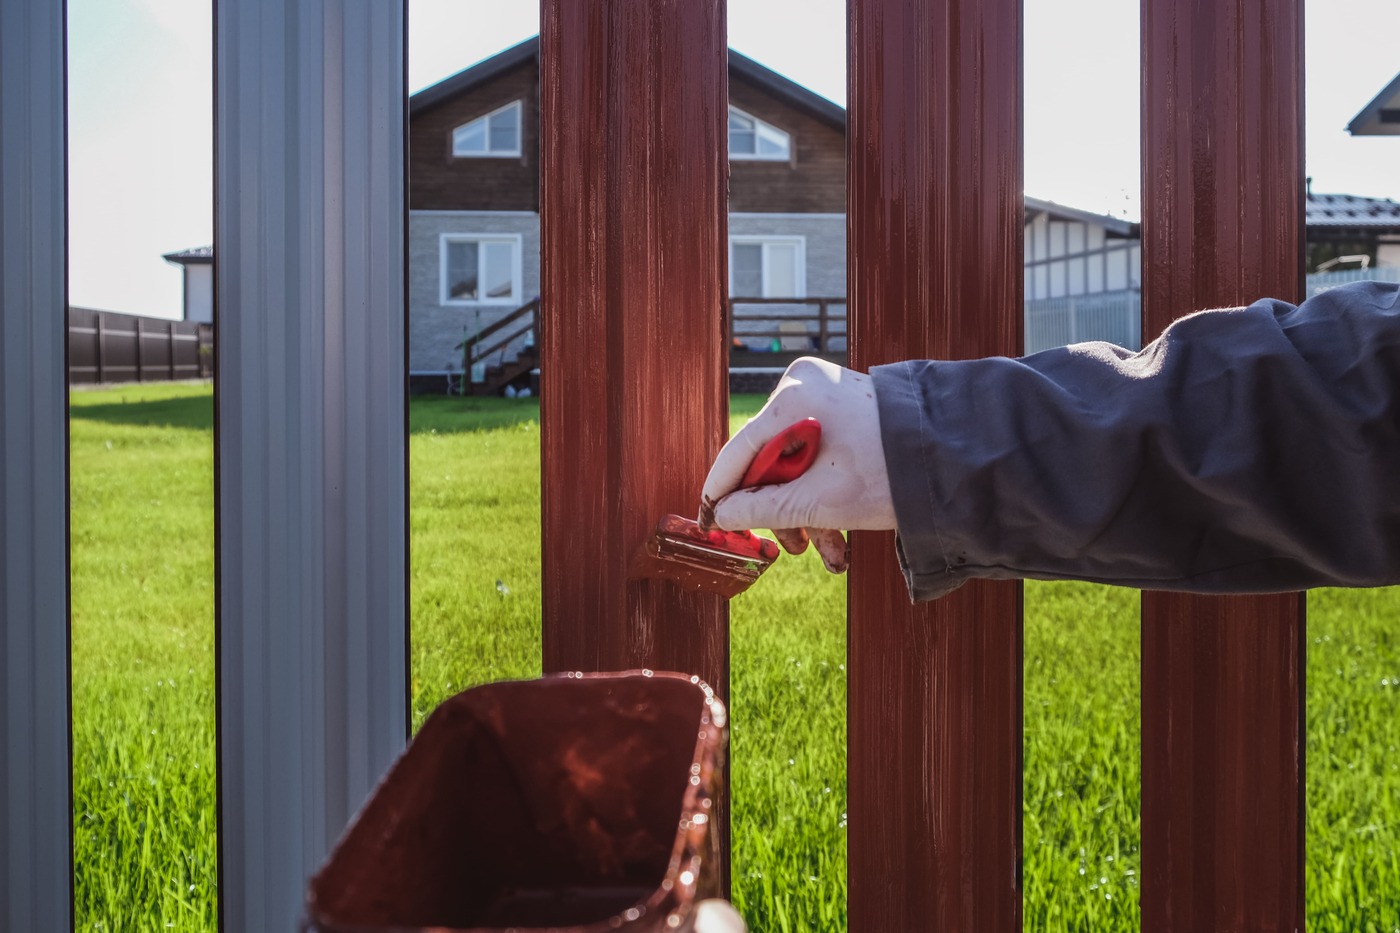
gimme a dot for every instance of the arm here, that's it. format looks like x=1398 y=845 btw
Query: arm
x=1249 y=450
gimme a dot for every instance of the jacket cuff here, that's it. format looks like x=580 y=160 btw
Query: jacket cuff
x=908 y=442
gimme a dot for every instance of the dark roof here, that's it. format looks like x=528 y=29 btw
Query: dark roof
x=195 y=255
x=834 y=115
x=1381 y=117
x=480 y=73
x=1114 y=226
x=528 y=51
x=1329 y=211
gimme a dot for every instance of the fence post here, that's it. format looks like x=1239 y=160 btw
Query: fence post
x=310 y=437
x=1222 y=679
x=36 y=827
x=935 y=270
x=140 y=357
x=634 y=102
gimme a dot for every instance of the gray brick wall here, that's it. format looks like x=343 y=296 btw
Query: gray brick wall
x=435 y=329
x=825 y=261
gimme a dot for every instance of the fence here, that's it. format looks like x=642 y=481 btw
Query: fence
x=1112 y=316
x=1117 y=316
x=772 y=332
x=1322 y=281
x=104 y=346
x=310 y=436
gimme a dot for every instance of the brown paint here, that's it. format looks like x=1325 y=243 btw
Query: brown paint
x=935 y=231
x=1222 y=679
x=576 y=802
x=633 y=99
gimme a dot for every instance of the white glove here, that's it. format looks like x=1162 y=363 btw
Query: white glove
x=717 y=916
x=846 y=486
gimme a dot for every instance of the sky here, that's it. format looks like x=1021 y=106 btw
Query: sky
x=140 y=111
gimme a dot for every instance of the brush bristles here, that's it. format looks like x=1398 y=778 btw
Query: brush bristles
x=673 y=553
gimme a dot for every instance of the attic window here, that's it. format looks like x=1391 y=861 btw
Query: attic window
x=751 y=138
x=496 y=135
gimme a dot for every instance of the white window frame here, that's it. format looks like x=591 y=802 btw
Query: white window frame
x=758 y=127
x=766 y=241
x=517 y=288
x=493 y=153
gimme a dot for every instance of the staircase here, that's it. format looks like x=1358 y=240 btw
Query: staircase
x=488 y=347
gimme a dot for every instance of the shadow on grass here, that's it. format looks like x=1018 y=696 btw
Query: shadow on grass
x=443 y=414
x=448 y=414
x=194 y=413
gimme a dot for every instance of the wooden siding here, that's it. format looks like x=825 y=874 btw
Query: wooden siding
x=438 y=181
x=813 y=181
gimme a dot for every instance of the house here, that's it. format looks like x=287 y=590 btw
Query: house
x=1345 y=230
x=197 y=267
x=1083 y=270
x=1083 y=277
x=474 y=232
x=474 y=225
x=1381 y=117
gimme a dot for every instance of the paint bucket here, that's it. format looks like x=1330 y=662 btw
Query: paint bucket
x=577 y=802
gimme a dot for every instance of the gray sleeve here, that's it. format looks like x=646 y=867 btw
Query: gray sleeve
x=1245 y=451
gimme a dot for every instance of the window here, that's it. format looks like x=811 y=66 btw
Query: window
x=751 y=138
x=481 y=269
x=496 y=135
x=767 y=267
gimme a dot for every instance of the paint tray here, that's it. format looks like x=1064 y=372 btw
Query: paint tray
x=577 y=802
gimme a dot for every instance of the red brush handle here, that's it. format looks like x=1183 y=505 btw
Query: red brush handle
x=785 y=457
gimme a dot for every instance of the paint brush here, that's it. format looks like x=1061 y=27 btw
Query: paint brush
x=727 y=562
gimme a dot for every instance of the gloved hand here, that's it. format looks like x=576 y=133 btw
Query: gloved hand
x=846 y=487
x=717 y=916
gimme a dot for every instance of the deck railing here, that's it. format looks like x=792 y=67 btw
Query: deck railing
x=815 y=325
x=1112 y=316
x=489 y=341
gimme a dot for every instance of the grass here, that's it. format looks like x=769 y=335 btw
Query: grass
x=144 y=693
x=143 y=658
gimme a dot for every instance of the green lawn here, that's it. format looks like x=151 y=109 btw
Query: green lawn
x=143 y=692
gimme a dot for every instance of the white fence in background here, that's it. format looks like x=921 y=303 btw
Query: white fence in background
x=1112 y=316
x=1116 y=317
x=1324 y=280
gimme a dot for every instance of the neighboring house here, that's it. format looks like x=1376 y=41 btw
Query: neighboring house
x=474 y=229
x=1346 y=231
x=1083 y=276
x=1083 y=271
x=1381 y=117
x=474 y=226
x=197 y=266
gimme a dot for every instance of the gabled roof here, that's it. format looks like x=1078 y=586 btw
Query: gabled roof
x=195 y=255
x=1350 y=210
x=792 y=93
x=1114 y=226
x=478 y=74
x=1381 y=117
